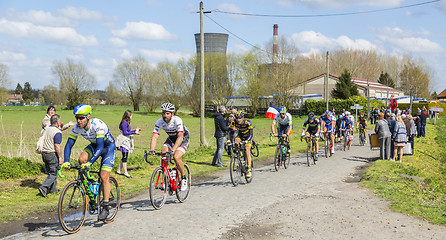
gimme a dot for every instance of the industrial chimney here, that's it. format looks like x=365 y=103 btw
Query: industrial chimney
x=275 y=39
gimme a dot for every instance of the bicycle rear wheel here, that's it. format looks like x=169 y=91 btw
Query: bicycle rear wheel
x=183 y=195
x=362 y=139
x=345 y=142
x=254 y=149
x=278 y=157
x=158 y=188
x=72 y=207
x=114 y=201
x=235 y=170
x=313 y=153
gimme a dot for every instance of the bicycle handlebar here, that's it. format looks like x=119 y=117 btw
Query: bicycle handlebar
x=87 y=171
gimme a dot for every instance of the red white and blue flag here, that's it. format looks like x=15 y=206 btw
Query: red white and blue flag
x=271 y=112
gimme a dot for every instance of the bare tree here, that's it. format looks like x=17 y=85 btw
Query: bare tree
x=4 y=77
x=252 y=86
x=133 y=77
x=174 y=85
x=51 y=95
x=415 y=79
x=113 y=96
x=74 y=81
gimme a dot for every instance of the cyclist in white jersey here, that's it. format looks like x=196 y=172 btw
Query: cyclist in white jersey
x=178 y=140
x=285 y=125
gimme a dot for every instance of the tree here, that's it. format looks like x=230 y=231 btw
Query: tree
x=4 y=78
x=134 y=78
x=28 y=94
x=172 y=83
x=434 y=95
x=384 y=78
x=252 y=82
x=415 y=79
x=345 y=88
x=18 y=89
x=113 y=97
x=74 y=81
x=50 y=95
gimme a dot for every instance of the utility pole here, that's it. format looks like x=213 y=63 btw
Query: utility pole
x=368 y=100
x=202 y=138
x=326 y=82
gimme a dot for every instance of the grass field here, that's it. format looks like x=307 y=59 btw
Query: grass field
x=20 y=129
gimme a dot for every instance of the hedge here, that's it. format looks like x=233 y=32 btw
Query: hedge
x=318 y=107
x=18 y=167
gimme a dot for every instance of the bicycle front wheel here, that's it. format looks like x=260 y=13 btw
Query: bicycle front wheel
x=249 y=179
x=114 y=201
x=309 y=154
x=72 y=207
x=158 y=188
x=235 y=170
x=327 y=146
x=183 y=195
x=277 y=157
x=254 y=149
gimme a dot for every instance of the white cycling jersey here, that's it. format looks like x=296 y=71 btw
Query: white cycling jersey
x=172 y=128
x=287 y=120
x=97 y=129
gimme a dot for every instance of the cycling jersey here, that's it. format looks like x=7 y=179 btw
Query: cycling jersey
x=287 y=120
x=312 y=126
x=362 y=121
x=329 y=122
x=172 y=129
x=347 y=123
x=102 y=143
x=244 y=129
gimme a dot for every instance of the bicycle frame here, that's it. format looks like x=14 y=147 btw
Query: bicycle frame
x=165 y=159
x=84 y=177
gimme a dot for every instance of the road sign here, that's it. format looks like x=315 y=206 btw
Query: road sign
x=356 y=106
x=436 y=109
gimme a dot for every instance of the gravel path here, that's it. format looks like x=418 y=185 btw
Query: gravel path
x=317 y=202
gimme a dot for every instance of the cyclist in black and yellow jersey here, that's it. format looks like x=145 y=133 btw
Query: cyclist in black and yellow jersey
x=362 y=121
x=244 y=130
x=314 y=128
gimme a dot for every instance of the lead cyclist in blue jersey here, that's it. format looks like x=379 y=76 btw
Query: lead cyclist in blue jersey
x=328 y=124
x=102 y=144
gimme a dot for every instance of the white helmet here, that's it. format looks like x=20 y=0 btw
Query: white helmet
x=169 y=107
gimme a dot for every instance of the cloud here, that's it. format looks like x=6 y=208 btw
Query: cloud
x=310 y=41
x=79 y=13
x=117 y=42
x=38 y=18
x=144 y=31
x=125 y=54
x=60 y=35
x=7 y=56
x=227 y=7
x=159 y=55
x=339 y=3
x=442 y=6
x=405 y=41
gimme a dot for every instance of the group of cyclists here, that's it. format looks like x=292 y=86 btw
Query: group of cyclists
x=102 y=143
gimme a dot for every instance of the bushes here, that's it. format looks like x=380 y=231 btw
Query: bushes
x=318 y=107
x=18 y=167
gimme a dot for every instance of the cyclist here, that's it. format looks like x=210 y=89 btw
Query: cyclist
x=347 y=122
x=102 y=144
x=362 y=122
x=314 y=129
x=328 y=124
x=177 y=141
x=285 y=125
x=244 y=130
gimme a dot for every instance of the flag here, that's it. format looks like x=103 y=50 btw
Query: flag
x=271 y=112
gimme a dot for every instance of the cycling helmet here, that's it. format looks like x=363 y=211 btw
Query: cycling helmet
x=239 y=114
x=327 y=113
x=311 y=116
x=168 y=107
x=361 y=114
x=282 y=109
x=82 y=109
x=347 y=113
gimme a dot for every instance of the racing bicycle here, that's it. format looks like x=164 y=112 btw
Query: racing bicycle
x=167 y=181
x=311 y=145
x=361 y=135
x=282 y=154
x=82 y=193
x=328 y=144
x=238 y=166
x=347 y=139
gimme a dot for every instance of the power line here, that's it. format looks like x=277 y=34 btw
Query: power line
x=326 y=15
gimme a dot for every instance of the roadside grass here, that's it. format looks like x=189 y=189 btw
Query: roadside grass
x=19 y=130
x=417 y=185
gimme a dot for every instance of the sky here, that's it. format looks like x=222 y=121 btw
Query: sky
x=102 y=33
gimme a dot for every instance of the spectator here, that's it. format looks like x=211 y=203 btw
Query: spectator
x=50 y=111
x=413 y=128
x=220 y=132
x=383 y=131
x=417 y=122
x=399 y=136
x=51 y=155
x=392 y=122
x=407 y=124
x=229 y=133
x=393 y=103
x=423 y=119
x=124 y=142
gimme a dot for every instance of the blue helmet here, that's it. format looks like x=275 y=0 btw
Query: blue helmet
x=327 y=113
x=82 y=109
x=282 y=109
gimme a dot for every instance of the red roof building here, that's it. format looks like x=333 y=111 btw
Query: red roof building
x=442 y=95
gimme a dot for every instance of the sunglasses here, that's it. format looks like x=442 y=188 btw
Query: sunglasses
x=80 y=117
x=239 y=117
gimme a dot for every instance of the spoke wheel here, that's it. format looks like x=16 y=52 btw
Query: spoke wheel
x=327 y=147
x=235 y=170
x=345 y=142
x=286 y=160
x=183 y=195
x=278 y=157
x=72 y=207
x=313 y=154
x=114 y=201
x=249 y=179
x=309 y=153
x=158 y=188
x=254 y=149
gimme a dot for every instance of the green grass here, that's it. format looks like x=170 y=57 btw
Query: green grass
x=425 y=199
x=20 y=128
